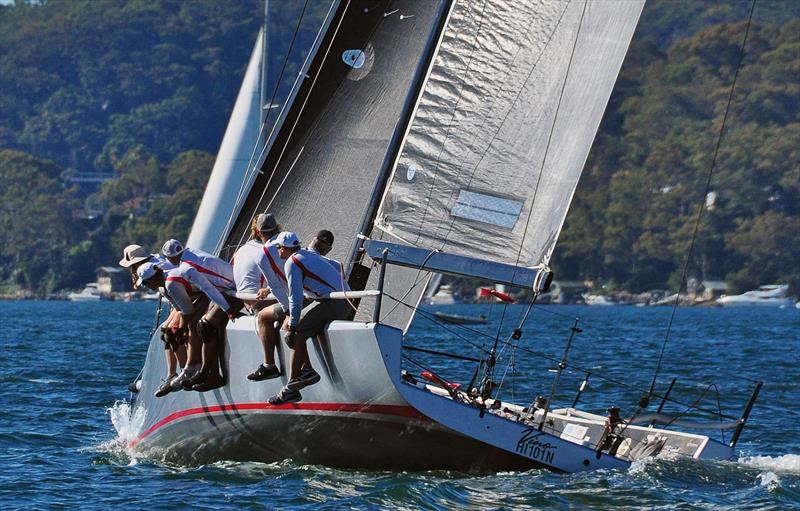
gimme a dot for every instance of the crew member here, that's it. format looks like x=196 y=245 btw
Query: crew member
x=133 y=256
x=211 y=326
x=263 y=254
x=307 y=270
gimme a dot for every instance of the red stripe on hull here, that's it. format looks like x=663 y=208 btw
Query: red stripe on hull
x=395 y=410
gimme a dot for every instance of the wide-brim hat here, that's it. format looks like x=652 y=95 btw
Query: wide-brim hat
x=133 y=254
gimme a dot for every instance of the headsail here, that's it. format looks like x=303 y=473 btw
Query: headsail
x=505 y=125
x=233 y=159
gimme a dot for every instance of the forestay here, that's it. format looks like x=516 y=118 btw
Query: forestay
x=504 y=126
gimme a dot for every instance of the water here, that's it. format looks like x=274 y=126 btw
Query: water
x=64 y=421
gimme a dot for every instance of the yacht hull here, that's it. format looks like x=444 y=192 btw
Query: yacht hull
x=352 y=418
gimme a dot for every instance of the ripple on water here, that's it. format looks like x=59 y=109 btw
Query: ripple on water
x=60 y=446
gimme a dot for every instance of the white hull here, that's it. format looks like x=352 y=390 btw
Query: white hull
x=354 y=417
x=765 y=296
x=740 y=301
x=363 y=415
x=88 y=294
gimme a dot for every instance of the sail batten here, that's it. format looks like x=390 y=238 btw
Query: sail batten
x=504 y=126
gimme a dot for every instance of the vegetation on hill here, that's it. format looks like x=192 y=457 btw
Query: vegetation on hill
x=142 y=89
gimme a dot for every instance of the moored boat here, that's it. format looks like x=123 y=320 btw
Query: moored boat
x=90 y=293
x=775 y=295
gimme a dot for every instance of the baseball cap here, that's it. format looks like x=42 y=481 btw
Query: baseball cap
x=145 y=272
x=265 y=222
x=325 y=236
x=287 y=239
x=133 y=254
x=172 y=248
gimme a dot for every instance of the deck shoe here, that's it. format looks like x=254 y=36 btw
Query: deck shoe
x=304 y=379
x=186 y=373
x=196 y=379
x=165 y=387
x=210 y=382
x=286 y=395
x=264 y=372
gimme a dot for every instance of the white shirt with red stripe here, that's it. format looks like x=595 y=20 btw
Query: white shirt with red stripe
x=217 y=271
x=306 y=269
x=276 y=278
x=160 y=261
x=249 y=267
x=182 y=282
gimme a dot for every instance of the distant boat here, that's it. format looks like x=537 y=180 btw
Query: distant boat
x=88 y=294
x=774 y=295
x=461 y=320
x=601 y=300
x=444 y=296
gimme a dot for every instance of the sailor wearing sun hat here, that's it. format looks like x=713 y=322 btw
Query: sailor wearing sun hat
x=134 y=255
x=306 y=269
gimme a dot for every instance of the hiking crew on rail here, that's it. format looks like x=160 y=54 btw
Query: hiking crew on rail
x=283 y=285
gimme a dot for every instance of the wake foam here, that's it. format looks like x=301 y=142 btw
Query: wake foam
x=785 y=463
x=770 y=480
x=127 y=425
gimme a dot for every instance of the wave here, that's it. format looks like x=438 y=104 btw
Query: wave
x=785 y=463
x=127 y=425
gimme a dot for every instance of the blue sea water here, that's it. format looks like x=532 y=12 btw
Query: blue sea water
x=64 y=424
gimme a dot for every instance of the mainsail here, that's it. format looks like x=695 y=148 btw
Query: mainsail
x=504 y=126
x=321 y=169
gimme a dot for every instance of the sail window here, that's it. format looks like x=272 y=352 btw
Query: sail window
x=360 y=60
x=354 y=58
x=488 y=209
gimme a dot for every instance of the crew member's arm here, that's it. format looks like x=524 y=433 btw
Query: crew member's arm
x=213 y=294
x=179 y=296
x=294 y=276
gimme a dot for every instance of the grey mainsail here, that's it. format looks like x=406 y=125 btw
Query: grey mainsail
x=322 y=167
x=504 y=126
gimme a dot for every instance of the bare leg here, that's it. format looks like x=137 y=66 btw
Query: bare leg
x=211 y=329
x=171 y=362
x=267 y=334
x=193 y=349
x=300 y=358
x=180 y=354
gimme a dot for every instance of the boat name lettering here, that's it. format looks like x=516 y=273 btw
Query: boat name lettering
x=530 y=446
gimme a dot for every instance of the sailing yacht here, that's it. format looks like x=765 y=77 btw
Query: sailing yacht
x=430 y=137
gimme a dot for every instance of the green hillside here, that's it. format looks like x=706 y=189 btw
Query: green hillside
x=142 y=90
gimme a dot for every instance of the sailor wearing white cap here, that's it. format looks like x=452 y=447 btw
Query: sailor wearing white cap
x=190 y=292
x=257 y=268
x=307 y=270
x=217 y=271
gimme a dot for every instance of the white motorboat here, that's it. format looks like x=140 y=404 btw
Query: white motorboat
x=90 y=293
x=595 y=300
x=409 y=124
x=444 y=296
x=775 y=295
